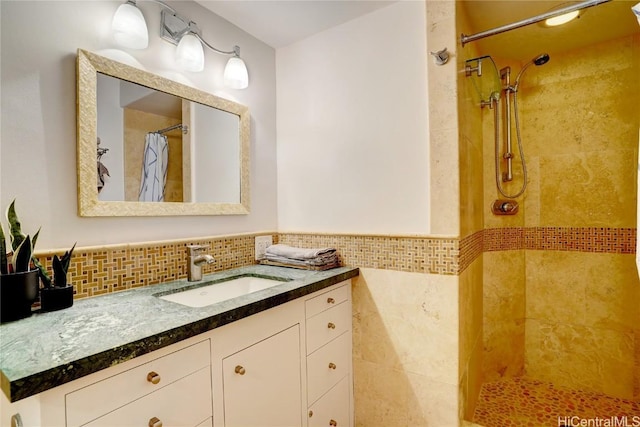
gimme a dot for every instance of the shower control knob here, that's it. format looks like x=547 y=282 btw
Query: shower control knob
x=504 y=207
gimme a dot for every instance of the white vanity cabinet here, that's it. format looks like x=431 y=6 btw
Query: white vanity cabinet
x=329 y=360
x=288 y=366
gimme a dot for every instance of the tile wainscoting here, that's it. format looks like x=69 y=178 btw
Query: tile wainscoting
x=99 y=270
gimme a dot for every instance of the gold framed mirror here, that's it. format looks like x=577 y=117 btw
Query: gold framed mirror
x=122 y=111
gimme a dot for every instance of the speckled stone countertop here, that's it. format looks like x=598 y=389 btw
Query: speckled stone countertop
x=49 y=349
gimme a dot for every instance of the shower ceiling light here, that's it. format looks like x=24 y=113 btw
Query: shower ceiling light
x=130 y=30
x=562 y=19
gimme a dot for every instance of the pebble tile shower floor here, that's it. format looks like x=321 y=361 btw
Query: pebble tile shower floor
x=522 y=402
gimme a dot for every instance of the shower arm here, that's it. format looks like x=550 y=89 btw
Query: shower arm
x=578 y=6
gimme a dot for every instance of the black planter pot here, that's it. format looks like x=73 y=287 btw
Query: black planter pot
x=17 y=292
x=52 y=299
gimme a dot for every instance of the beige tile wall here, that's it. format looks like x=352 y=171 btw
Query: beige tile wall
x=405 y=348
x=570 y=248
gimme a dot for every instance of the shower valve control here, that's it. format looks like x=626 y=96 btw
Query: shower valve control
x=504 y=207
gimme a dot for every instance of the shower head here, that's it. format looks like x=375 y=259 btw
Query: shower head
x=541 y=59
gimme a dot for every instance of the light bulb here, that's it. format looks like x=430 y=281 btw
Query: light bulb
x=235 y=74
x=562 y=19
x=129 y=27
x=189 y=54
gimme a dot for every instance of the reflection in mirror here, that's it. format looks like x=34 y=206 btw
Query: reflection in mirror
x=158 y=141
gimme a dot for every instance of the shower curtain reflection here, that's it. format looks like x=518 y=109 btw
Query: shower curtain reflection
x=154 y=168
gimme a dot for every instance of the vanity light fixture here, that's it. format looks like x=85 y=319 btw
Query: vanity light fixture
x=129 y=27
x=130 y=30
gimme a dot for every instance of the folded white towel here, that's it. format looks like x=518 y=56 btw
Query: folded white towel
x=297 y=253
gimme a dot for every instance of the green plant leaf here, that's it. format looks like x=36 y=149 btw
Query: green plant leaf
x=59 y=273
x=22 y=256
x=4 y=267
x=14 y=226
x=35 y=239
x=66 y=258
x=44 y=276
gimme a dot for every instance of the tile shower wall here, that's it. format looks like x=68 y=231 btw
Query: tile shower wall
x=560 y=280
x=471 y=225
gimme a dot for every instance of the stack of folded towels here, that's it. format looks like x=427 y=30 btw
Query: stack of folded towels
x=310 y=259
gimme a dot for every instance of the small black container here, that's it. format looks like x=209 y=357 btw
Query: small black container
x=52 y=299
x=17 y=292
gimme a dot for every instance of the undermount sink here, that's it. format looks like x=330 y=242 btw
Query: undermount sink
x=219 y=291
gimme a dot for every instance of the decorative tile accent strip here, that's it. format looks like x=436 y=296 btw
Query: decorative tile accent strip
x=583 y=239
x=471 y=248
x=95 y=271
x=100 y=270
x=414 y=254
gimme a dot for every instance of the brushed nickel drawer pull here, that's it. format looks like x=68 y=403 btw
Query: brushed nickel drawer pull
x=333 y=423
x=155 y=422
x=153 y=377
x=240 y=370
x=331 y=301
x=332 y=365
x=331 y=326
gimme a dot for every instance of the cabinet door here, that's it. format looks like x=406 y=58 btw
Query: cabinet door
x=262 y=383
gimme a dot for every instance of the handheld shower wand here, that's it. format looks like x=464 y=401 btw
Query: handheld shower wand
x=505 y=74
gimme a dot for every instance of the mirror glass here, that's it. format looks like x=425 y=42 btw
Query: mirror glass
x=151 y=146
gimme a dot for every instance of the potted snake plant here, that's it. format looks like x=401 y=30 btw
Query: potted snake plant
x=57 y=294
x=19 y=283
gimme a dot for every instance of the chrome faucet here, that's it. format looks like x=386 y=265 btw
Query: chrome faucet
x=196 y=258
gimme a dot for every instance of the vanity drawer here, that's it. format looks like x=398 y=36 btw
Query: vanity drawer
x=327 y=300
x=186 y=402
x=97 y=399
x=328 y=325
x=327 y=366
x=333 y=409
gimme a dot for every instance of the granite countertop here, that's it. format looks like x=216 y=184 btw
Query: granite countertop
x=49 y=349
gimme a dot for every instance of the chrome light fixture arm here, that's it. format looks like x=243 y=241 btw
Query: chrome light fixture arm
x=173 y=27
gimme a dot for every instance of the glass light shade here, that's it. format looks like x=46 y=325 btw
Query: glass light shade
x=562 y=19
x=129 y=27
x=189 y=54
x=235 y=74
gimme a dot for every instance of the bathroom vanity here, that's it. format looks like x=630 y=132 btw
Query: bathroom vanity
x=279 y=356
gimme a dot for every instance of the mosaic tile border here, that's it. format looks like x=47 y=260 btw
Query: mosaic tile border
x=99 y=270
x=582 y=239
x=432 y=255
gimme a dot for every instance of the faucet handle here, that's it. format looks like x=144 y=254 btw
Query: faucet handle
x=197 y=248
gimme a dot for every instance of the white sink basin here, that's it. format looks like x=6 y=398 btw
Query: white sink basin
x=221 y=291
